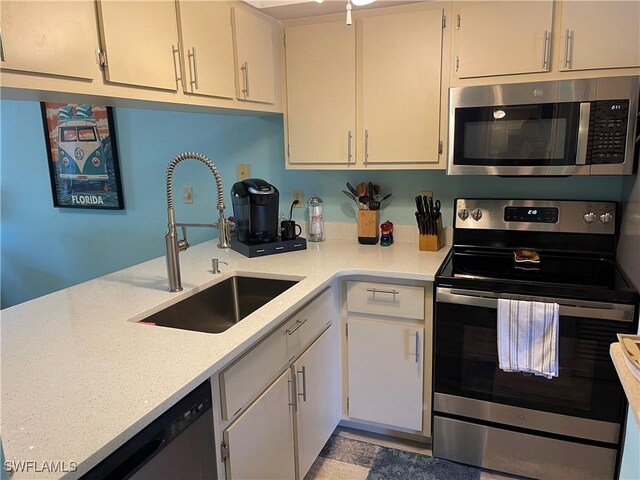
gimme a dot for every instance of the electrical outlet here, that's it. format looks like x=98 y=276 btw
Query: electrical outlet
x=243 y=171
x=426 y=194
x=187 y=194
x=297 y=195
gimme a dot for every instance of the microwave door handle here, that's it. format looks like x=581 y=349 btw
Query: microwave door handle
x=583 y=133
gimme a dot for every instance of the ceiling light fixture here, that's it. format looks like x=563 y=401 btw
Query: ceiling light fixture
x=357 y=3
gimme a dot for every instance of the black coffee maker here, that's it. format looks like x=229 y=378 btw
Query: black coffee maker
x=255 y=208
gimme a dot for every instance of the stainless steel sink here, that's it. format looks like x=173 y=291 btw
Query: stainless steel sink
x=221 y=306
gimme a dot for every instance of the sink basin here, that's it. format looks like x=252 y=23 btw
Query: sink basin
x=221 y=306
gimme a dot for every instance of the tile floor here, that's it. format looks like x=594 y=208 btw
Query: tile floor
x=329 y=469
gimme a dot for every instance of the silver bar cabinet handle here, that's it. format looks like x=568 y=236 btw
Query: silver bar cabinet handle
x=195 y=66
x=178 y=50
x=417 y=347
x=304 y=384
x=2 y=57
x=293 y=389
x=245 y=76
x=194 y=76
x=545 y=50
x=366 y=146
x=567 y=49
x=349 y=136
x=390 y=292
x=298 y=324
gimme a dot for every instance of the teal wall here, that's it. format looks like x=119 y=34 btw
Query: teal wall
x=45 y=248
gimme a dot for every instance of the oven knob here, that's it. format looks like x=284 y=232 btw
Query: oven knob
x=463 y=214
x=606 y=217
x=476 y=214
x=590 y=217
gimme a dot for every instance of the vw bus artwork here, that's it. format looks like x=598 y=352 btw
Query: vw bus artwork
x=81 y=156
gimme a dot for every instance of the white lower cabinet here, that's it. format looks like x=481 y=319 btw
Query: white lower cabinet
x=260 y=441
x=387 y=354
x=275 y=429
x=386 y=372
x=318 y=404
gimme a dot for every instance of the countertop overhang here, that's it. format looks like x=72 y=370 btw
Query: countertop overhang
x=80 y=377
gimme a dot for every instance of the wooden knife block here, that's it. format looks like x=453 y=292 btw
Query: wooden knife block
x=368 y=222
x=432 y=243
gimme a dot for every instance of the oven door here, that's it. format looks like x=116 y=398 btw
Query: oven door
x=586 y=400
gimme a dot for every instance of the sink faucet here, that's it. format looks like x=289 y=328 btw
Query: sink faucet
x=174 y=245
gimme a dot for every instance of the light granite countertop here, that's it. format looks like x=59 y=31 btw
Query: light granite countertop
x=630 y=384
x=80 y=378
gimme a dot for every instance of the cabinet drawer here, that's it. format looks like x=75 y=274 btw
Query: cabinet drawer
x=305 y=326
x=385 y=299
x=248 y=376
x=241 y=382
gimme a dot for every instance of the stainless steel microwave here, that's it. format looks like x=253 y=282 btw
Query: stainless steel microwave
x=566 y=127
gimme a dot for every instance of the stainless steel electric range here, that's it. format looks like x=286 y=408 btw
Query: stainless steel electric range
x=566 y=427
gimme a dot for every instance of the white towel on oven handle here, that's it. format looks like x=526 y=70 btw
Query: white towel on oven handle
x=528 y=337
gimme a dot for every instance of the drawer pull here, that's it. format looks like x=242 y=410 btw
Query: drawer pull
x=390 y=292
x=298 y=324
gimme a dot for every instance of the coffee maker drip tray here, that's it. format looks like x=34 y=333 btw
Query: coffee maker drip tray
x=271 y=248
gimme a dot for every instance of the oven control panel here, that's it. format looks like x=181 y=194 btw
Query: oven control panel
x=563 y=216
x=531 y=214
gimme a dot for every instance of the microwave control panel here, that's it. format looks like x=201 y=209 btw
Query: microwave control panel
x=607 y=131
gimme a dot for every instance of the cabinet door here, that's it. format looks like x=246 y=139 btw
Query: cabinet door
x=318 y=398
x=207 y=46
x=502 y=38
x=599 y=35
x=260 y=441
x=51 y=37
x=401 y=72
x=321 y=93
x=386 y=372
x=139 y=39
x=254 y=57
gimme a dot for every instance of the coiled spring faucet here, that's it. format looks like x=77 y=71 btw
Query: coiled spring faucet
x=173 y=245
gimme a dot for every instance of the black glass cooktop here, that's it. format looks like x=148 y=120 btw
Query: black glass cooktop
x=563 y=275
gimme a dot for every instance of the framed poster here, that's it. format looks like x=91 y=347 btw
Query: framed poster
x=83 y=159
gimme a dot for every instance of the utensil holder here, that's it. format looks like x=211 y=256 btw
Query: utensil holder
x=432 y=243
x=368 y=221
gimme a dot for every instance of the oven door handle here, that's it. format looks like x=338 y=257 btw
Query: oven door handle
x=599 y=310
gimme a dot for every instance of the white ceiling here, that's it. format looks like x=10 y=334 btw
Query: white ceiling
x=288 y=9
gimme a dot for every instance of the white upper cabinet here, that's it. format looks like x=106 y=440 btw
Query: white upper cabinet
x=501 y=37
x=141 y=41
x=207 y=48
x=321 y=93
x=254 y=56
x=401 y=67
x=604 y=34
x=367 y=95
x=49 y=37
